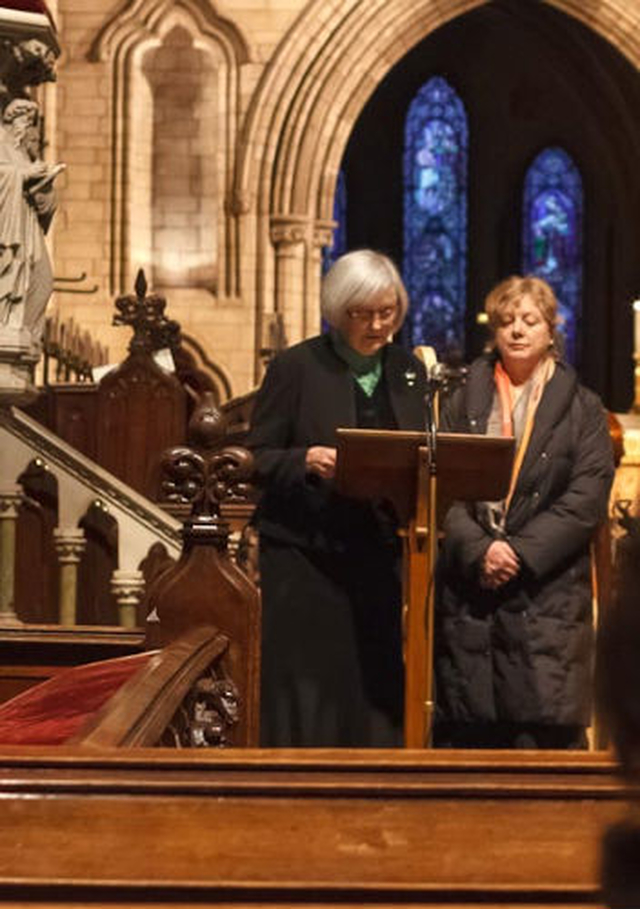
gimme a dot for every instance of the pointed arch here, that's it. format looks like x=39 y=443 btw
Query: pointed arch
x=139 y=27
x=300 y=118
x=137 y=18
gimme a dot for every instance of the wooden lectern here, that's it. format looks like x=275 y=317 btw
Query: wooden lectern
x=397 y=466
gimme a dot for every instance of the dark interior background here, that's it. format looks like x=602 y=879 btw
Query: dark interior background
x=529 y=77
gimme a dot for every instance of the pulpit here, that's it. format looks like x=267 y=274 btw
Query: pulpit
x=420 y=477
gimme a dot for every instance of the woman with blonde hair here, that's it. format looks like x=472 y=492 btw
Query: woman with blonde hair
x=514 y=623
x=331 y=657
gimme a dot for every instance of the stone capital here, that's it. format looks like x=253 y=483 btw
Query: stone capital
x=288 y=231
x=10 y=499
x=323 y=233
x=70 y=544
x=127 y=586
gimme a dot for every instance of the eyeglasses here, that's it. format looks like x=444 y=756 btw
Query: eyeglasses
x=384 y=314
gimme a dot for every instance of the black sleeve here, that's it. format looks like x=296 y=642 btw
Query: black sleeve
x=277 y=461
x=563 y=529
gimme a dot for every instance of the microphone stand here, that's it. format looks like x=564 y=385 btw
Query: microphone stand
x=436 y=377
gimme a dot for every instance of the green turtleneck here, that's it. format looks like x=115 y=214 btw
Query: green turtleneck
x=366 y=370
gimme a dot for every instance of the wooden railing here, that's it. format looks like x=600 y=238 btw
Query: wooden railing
x=55 y=502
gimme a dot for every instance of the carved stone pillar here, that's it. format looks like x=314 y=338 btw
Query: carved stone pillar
x=322 y=236
x=9 y=502
x=128 y=589
x=70 y=545
x=288 y=235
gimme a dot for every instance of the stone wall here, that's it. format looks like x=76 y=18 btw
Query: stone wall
x=203 y=142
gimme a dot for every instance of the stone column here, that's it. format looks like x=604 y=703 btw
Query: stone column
x=322 y=236
x=128 y=589
x=288 y=235
x=9 y=503
x=70 y=545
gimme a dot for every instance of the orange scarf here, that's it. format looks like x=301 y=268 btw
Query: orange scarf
x=506 y=394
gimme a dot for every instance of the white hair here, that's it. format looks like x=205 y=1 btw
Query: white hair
x=356 y=277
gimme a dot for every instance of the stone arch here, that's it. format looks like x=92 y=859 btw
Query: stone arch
x=303 y=112
x=139 y=27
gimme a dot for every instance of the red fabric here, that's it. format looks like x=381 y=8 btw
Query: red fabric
x=49 y=713
x=27 y=6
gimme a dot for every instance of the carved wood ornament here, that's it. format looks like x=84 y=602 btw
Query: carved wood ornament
x=206 y=587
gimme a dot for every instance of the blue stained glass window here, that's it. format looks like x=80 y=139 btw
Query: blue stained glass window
x=435 y=215
x=339 y=245
x=552 y=234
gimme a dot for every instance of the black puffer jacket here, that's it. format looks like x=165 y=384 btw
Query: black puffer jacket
x=523 y=653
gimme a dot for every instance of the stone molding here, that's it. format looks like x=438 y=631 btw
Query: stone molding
x=16 y=22
x=139 y=17
x=145 y=23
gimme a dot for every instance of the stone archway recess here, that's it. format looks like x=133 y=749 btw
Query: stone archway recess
x=303 y=112
x=121 y=42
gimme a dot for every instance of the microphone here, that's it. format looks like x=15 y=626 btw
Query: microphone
x=436 y=376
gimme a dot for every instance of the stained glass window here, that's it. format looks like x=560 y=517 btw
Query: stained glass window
x=552 y=234
x=339 y=245
x=435 y=216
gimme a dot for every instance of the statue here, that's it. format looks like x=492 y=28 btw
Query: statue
x=27 y=206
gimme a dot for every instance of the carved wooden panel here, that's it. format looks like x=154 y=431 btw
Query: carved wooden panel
x=74 y=415
x=141 y=412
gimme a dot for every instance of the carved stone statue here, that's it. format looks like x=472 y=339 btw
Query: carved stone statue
x=27 y=205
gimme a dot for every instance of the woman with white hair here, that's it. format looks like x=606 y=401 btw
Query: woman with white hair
x=331 y=645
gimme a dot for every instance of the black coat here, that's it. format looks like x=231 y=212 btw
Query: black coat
x=306 y=395
x=523 y=653
x=331 y=658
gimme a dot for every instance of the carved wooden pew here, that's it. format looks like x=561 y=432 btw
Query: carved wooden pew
x=31 y=654
x=181 y=696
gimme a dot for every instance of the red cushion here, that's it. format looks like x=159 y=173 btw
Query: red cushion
x=49 y=713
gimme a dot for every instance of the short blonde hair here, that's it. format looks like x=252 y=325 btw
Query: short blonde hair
x=356 y=277
x=507 y=295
